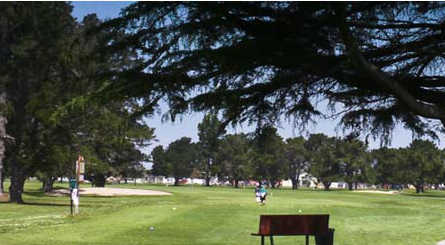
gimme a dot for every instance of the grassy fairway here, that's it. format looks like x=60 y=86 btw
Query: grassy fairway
x=199 y=215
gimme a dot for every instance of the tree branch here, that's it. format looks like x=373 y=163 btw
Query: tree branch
x=420 y=108
x=396 y=26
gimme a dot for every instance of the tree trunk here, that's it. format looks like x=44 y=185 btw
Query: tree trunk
x=349 y=185
x=99 y=180
x=47 y=184
x=208 y=173
x=2 y=180
x=176 y=181
x=3 y=122
x=296 y=178
x=355 y=185
x=419 y=188
x=294 y=183
x=326 y=185
x=1 y=176
x=236 y=183
x=17 y=182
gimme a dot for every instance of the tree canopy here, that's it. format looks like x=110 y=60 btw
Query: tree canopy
x=296 y=157
x=376 y=64
x=235 y=158
x=209 y=134
x=32 y=58
x=177 y=161
x=47 y=61
x=422 y=163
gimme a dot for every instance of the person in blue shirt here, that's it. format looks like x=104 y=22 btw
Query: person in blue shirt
x=263 y=194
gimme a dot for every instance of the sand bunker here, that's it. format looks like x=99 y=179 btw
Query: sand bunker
x=378 y=192
x=104 y=191
x=4 y=197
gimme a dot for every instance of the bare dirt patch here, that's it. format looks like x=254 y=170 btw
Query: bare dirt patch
x=105 y=191
x=378 y=192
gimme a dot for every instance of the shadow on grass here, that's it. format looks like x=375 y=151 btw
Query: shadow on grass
x=429 y=195
x=36 y=194
x=4 y=199
x=47 y=204
x=43 y=204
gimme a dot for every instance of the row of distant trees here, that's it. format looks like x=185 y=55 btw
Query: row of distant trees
x=264 y=155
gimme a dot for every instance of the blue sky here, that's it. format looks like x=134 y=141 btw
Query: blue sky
x=168 y=132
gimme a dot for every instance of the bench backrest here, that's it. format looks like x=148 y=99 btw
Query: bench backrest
x=294 y=224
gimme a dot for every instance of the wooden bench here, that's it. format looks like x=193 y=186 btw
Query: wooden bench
x=296 y=225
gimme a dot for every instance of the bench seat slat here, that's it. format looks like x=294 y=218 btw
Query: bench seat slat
x=283 y=225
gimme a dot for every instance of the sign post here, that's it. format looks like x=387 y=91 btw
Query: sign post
x=80 y=169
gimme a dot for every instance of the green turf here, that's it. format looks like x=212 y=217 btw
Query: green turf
x=219 y=215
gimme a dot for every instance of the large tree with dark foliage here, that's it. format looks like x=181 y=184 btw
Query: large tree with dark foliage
x=422 y=163
x=376 y=63
x=235 y=158
x=324 y=163
x=210 y=134
x=32 y=40
x=353 y=161
x=47 y=63
x=296 y=159
x=158 y=158
x=386 y=163
x=180 y=159
x=3 y=135
x=268 y=156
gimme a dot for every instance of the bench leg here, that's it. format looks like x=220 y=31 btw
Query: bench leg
x=271 y=240
x=262 y=240
x=307 y=240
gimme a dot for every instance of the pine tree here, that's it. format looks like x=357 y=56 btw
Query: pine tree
x=235 y=157
x=31 y=35
x=257 y=60
x=210 y=133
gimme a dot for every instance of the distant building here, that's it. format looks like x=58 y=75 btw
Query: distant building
x=304 y=180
